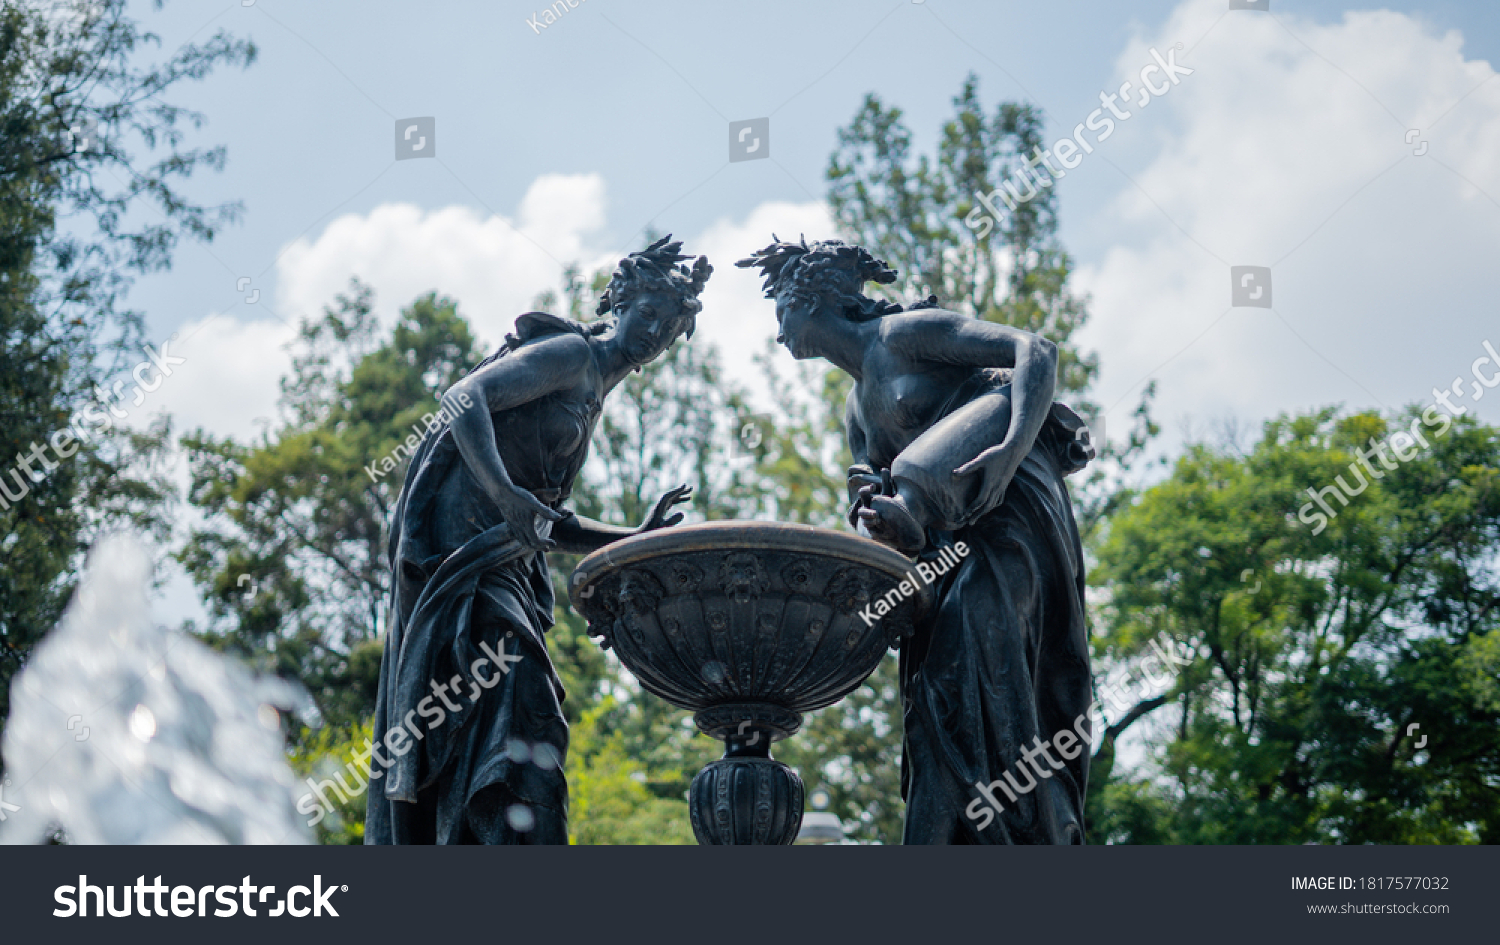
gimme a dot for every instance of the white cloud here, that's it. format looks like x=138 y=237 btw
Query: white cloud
x=736 y=317
x=1269 y=155
x=493 y=266
x=230 y=376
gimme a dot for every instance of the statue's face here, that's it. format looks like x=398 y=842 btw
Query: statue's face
x=648 y=323
x=794 y=312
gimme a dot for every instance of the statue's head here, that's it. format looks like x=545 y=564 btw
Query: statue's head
x=813 y=280
x=654 y=299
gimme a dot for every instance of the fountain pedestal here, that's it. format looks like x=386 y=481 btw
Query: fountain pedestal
x=748 y=625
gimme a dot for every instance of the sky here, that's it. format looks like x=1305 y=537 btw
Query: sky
x=1352 y=148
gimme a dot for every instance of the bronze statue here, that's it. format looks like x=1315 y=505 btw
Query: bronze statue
x=960 y=456
x=469 y=707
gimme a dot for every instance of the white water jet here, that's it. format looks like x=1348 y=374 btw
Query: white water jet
x=122 y=731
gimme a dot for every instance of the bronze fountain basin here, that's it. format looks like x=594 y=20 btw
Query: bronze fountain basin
x=748 y=625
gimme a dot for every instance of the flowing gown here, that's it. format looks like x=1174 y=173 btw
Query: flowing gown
x=1003 y=659
x=491 y=770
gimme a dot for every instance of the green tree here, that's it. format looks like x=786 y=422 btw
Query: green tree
x=912 y=211
x=87 y=139
x=341 y=755
x=609 y=797
x=1312 y=650
x=292 y=556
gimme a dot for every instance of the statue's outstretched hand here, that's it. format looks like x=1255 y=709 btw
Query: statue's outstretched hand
x=521 y=510
x=659 y=517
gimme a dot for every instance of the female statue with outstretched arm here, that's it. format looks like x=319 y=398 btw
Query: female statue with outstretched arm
x=469 y=731
x=960 y=456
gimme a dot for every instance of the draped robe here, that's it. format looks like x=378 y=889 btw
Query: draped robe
x=1001 y=662
x=489 y=771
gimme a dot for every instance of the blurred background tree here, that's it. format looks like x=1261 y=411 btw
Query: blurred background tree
x=87 y=139
x=298 y=514
x=911 y=211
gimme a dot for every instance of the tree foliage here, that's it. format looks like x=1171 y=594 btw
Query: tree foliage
x=292 y=552
x=88 y=140
x=910 y=210
x=1313 y=653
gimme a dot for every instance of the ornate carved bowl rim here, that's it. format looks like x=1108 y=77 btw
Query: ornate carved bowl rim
x=783 y=538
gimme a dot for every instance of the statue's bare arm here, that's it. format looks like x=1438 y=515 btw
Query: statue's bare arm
x=895 y=510
x=526 y=374
x=948 y=338
x=575 y=534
